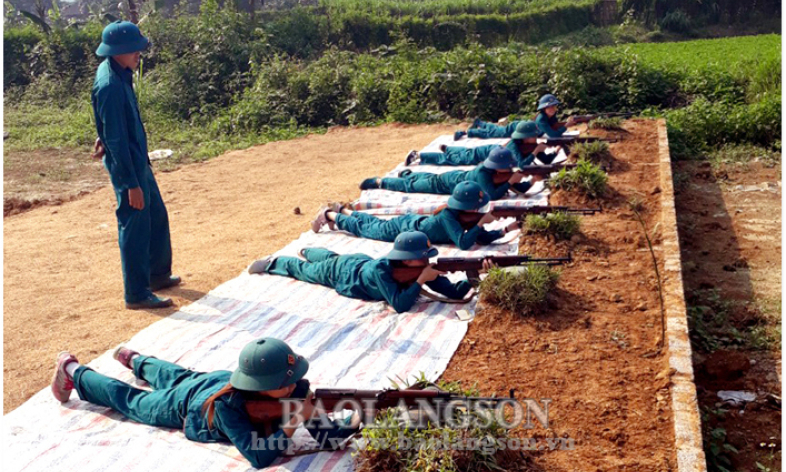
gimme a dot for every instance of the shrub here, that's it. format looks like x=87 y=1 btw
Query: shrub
x=560 y=224
x=381 y=451
x=595 y=151
x=586 y=178
x=609 y=124
x=704 y=125
x=522 y=292
x=676 y=21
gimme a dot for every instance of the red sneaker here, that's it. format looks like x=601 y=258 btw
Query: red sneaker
x=62 y=383
x=123 y=355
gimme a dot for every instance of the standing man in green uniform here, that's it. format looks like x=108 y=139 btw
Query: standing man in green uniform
x=142 y=221
x=396 y=278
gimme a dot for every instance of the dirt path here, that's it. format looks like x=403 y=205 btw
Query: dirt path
x=62 y=282
x=730 y=235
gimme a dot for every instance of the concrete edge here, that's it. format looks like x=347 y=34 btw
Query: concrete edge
x=687 y=420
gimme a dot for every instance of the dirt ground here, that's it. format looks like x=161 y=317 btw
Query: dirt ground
x=593 y=352
x=730 y=234
x=48 y=177
x=62 y=280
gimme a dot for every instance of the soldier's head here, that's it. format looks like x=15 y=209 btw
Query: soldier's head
x=548 y=104
x=122 y=41
x=468 y=196
x=268 y=365
x=526 y=130
x=501 y=161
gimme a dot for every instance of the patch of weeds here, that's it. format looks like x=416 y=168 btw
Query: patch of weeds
x=559 y=224
x=595 y=151
x=609 y=124
x=717 y=323
x=389 y=445
x=743 y=154
x=716 y=449
x=522 y=292
x=586 y=177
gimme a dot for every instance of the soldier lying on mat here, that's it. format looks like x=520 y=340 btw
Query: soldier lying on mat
x=396 y=278
x=495 y=176
x=456 y=223
x=523 y=146
x=209 y=406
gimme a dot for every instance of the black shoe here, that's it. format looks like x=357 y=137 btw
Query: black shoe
x=369 y=184
x=150 y=302
x=405 y=173
x=157 y=284
x=411 y=157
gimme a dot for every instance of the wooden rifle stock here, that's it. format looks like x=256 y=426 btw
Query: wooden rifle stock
x=475 y=264
x=271 y=411
x=472 y=219
x=568 y=140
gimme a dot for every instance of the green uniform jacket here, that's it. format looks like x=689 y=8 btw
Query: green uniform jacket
x=445 y=227
x=375 y=282
x=481 y=175
x=119 y=125
x=544 y=124
x=231 y=421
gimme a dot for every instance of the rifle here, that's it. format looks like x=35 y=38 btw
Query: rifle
x=546 y=170
x=588 y=118
x=268 y=412
x=568 y=140
x=471 y=219
x=473 y=265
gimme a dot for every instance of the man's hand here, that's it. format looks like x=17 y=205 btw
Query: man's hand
x=304 y=413
x=571 y=121
x=487 y=218
x=429 y=274
x=98 y=150
x=487 y=264
x=136 y=198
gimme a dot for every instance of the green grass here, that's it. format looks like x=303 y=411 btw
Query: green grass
x=560 y=224
x=716 y=322
x=707 y=54
x=429 y=8
x=609 y=124
x=586 y=178
x=595 y=152
x=521 y=292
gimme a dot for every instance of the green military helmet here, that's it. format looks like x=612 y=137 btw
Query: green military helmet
x=525 y=129
x=410 y=246
x=468 y=196
x=547 y=101
x=267 y=364
x=499 y=159
x=121 y=37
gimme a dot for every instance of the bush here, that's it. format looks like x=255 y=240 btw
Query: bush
x=595 y=151
x=381 y=451
x=560 y=224
x=676 y=21
x=609 y=124
x=522 y=292
x=704 y=125
x=586 y=178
